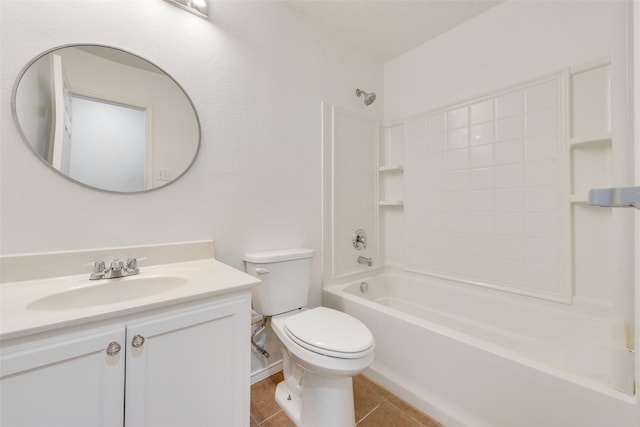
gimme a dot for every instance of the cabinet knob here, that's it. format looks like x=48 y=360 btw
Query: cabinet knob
x=113 y=348
x=137 y=341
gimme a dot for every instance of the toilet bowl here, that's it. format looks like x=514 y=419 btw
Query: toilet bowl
x=325 y=341
x=322 y=348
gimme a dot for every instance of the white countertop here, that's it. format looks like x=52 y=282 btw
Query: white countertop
x=204 y=278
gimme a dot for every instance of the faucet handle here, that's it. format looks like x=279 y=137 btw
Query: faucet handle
x=132 y=265
x=359 y=239
x=99 y=269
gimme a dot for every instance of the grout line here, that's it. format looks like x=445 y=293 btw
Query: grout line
x=384 y=399
x=407 y=413
x=370 y=412
x=268 y=418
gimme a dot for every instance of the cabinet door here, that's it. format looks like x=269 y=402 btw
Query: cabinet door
x=192 y=369
x=65 y=381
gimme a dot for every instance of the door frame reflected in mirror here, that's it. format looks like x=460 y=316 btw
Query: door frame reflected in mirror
x=172 y=125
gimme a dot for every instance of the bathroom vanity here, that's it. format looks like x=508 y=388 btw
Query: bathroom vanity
x=175 y=355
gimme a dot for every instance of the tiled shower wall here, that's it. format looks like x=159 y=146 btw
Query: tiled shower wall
x=354 y=141
x=496 y=192
x=491 y=192
x=484 y=191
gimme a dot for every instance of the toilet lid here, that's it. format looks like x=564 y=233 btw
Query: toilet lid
x=329 y=332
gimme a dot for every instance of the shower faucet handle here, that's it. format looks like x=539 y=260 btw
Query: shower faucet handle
x=359 y=239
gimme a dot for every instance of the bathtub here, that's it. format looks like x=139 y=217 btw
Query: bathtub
x=477 y=358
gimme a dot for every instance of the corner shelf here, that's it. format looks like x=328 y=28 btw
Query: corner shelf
x=391 y=168
x=391 y=203
x=596 y=140
x=585 y=149
x=579 y=199
x=393 y=179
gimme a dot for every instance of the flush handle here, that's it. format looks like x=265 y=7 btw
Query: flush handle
x=137 y=341
x=262 y=270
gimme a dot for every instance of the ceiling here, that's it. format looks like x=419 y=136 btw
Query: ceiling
x=388 y=28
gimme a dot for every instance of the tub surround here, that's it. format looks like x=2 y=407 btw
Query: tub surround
x=543 y=241
x=523 y=313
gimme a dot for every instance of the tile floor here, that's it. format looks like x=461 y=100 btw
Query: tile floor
x=374 y=406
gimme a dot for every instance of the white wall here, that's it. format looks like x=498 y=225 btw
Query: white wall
x=257 y=74
x=509 y=44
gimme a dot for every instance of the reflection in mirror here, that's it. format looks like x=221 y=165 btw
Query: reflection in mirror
x=106 y=118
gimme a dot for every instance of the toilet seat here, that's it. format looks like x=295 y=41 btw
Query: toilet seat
x=330 y=333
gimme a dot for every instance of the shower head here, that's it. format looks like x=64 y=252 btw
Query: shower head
x=368 y=97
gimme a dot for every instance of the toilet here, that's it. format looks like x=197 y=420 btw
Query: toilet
x=323 y=348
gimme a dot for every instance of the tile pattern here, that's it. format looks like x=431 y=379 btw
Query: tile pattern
x=484 y=189
x=354 y=177
x=374 y=406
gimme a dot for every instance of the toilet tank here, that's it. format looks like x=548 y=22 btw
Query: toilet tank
x=285 y=276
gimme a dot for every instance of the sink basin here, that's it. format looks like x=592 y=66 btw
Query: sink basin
x=108 y=291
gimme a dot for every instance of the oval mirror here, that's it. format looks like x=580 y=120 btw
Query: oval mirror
x=106 y=118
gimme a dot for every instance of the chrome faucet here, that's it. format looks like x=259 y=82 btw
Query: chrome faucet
x=365 y=260
x=98 y=270
x=116 y=268
x=132 y=266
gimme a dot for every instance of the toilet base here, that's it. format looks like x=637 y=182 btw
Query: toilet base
x=323 y=402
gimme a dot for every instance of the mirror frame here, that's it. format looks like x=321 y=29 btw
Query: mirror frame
x=50 y=167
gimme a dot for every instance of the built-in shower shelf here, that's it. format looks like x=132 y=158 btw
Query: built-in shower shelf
x=597 y=140
x=391 y=168
x=579 y=198
x=391 y=203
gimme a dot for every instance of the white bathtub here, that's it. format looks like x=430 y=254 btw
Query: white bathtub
x=474 y=358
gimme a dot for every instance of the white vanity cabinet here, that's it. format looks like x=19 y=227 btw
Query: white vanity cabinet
x=185 y=366
x=192 y=369
x=64 y=380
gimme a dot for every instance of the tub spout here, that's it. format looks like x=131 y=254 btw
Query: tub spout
x=365 y=260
